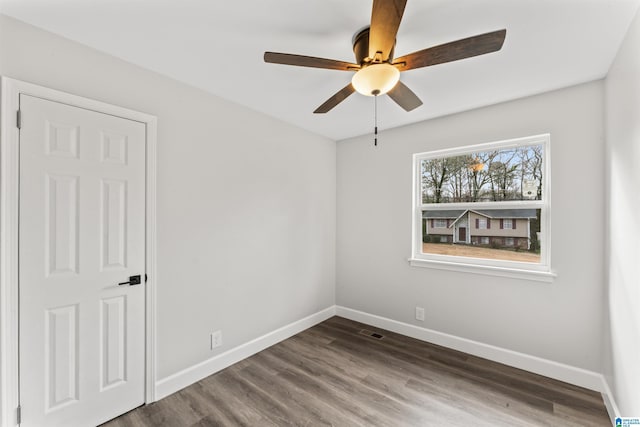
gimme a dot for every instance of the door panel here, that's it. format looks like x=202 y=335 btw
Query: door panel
x=61 y=235
x=61 y=356
x=113 y=355
x=82 y=213
x=113 y=223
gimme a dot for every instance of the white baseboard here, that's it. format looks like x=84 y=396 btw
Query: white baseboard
x=186 y=377
x=548 y=368
x=609 y=401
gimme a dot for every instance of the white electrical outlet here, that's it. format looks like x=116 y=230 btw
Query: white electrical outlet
x=420 y=313
x=216 y=339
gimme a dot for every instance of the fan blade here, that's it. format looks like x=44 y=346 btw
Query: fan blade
x=385 y=20
x=404 y=97
x=308 y=61
x=335 y=99
x=453 y=51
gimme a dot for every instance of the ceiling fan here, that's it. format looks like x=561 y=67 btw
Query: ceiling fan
x=376 y=70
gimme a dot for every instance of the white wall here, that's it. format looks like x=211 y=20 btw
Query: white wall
x=246 y=204
x=561 y=321
x=623 y=168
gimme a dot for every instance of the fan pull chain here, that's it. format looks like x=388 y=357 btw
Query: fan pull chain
x=375 y=119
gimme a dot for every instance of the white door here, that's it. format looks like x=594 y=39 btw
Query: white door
x=82 y=231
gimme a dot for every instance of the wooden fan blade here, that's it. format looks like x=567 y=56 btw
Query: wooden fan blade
x=404 y=97
x=453 y=51
x=335 y=99
x=308 y=61
x=385 y=20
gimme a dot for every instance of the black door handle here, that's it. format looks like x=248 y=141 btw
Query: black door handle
x=133 y=280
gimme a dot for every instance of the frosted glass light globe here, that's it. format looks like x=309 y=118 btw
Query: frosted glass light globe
x=376 y=79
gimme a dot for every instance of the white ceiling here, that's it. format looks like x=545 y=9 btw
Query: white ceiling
x=218 y=46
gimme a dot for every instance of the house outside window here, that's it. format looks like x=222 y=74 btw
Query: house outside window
x=484 y=206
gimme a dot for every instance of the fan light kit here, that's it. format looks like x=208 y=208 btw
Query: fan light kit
x=376 y=70
x=376 y=79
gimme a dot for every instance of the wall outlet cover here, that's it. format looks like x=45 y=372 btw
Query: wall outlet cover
x=216 y=339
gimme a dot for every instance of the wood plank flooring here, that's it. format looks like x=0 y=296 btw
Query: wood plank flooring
x=333 y=375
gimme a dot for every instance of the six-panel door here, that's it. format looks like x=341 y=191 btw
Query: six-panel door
x=82 y=213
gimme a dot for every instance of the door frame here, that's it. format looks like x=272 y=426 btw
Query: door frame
x=10 y=90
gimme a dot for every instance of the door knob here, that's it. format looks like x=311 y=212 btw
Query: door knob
x=133 y=280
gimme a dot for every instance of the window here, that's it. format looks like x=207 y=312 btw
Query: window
x=493 y=199
x=440 y=223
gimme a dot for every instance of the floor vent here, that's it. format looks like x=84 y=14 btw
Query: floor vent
x=371 y=334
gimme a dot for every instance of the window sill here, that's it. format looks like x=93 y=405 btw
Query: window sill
x=514 y=273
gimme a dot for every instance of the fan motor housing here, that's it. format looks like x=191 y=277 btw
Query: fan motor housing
x=361 y=47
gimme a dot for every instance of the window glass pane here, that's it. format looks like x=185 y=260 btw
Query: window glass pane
x=481 y=233
x=486 y=176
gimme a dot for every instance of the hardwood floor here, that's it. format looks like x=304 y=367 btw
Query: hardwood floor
x=332 y=374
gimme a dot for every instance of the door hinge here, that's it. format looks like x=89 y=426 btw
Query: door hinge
x=145 y=278
x=19 y=119
x=18 y=414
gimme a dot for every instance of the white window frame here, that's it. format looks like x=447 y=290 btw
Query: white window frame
x=539 y=271
x=482 y=224
x=510 y=222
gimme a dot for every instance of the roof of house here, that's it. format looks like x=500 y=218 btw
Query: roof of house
x=443 y=214
x=489 y=213
x=506 y=213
